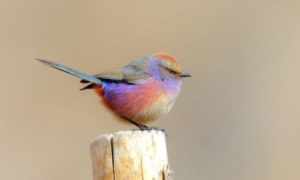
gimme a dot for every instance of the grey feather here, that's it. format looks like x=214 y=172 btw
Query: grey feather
x=71 y=71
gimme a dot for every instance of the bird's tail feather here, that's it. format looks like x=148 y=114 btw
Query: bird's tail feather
x=90 y=86
x=71 y=71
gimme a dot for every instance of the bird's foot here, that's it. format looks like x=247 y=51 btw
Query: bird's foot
x=143 y=127
x=147 y=128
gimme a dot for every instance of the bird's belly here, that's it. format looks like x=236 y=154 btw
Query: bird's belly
x=139 y=103
x=161 y=106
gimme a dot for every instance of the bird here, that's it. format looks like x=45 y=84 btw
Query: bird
x=139 y=92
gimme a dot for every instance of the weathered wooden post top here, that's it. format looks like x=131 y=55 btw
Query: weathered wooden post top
x=130 y=155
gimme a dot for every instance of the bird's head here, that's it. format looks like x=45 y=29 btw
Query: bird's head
x=169 y=67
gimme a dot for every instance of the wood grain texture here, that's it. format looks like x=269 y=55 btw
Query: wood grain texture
x=130 y=155
x=102 y=159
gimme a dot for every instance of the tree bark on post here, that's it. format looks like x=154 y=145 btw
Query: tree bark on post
x=130 y=155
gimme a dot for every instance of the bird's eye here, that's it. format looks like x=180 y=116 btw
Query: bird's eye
x=172 y=71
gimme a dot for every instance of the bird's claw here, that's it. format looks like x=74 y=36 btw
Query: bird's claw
x=150 y=128
x=146 y=128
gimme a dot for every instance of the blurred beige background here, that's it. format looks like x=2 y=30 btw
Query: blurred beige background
x=237 y=118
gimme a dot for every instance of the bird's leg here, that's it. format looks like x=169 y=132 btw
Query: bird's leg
x=143 y=127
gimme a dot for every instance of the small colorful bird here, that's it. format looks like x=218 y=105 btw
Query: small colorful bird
x=139 y=92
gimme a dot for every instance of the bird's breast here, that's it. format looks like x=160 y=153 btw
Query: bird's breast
x=141 y=103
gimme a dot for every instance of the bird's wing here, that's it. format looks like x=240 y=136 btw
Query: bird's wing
x=113 y=75
x=120 y=75
x=133 y=73
x=116 y=75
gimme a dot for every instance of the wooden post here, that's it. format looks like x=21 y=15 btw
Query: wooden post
x=130 y=155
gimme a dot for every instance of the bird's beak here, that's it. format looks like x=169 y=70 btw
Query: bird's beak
x=183 y=74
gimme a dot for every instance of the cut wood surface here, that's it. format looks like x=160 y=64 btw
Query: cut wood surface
x=130 y=155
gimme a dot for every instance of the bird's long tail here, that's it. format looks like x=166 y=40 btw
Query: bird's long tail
x=71 y=71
